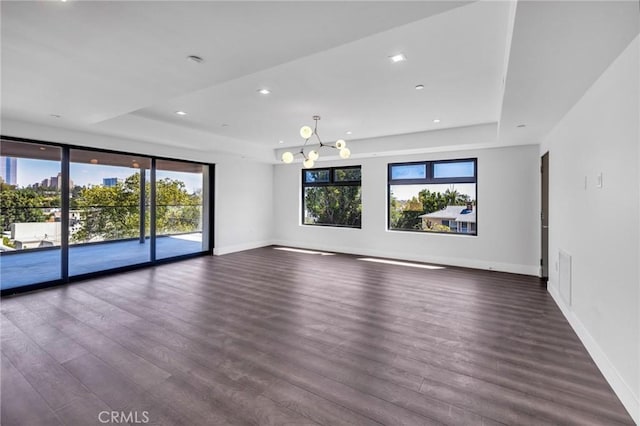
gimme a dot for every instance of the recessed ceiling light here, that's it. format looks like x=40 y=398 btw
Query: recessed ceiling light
x=521 y=125
x=398 y=57
x=281 y=142
x=437 y=120
x=93 y=161
x=55 y=115
x=420 y=87
x=181 y=113
x=348 y=132
x=196 y=59
x=42 y=148
x=264 y=91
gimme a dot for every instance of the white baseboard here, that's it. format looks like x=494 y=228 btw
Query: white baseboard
x=624 y=392
x=464 y=263
x=219 y=251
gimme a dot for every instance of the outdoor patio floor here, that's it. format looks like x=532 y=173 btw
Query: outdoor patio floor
x=31 y=267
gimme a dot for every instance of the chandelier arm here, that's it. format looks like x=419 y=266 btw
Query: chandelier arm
x=324 y=144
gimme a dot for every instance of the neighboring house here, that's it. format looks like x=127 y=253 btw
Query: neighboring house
x=457 y=218
x=35 y=234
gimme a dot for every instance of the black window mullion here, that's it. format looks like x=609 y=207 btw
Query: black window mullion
x=65 y=206
x=143 y=203
x=210 y=207
x=152 y=210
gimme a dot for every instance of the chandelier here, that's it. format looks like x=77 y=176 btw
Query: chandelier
x=309 y=158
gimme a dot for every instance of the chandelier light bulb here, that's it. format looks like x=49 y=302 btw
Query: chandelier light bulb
x=345 y=153
x=314 y=155
x=306 y=132
x=308 y=163
x=287 y=157
x=340 y=143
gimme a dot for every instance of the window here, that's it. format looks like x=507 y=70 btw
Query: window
x=433 y=196
x=332 y=197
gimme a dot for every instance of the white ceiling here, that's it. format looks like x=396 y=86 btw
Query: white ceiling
x=558 y=49
x=119 y=68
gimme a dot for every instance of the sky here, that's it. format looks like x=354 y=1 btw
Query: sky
x=30 y=171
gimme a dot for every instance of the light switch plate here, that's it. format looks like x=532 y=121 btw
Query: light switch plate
x=599 y=180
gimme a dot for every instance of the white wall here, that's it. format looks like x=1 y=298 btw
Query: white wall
x=508 y=207
x=244 y=207
x=599 y=227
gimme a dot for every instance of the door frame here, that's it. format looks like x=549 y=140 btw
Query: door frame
x=544 y=217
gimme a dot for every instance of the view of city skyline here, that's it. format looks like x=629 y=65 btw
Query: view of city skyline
x=34 y=171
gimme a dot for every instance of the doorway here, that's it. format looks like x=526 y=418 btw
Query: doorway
x=544 y=217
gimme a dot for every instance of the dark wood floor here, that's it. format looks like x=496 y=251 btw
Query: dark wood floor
x=269 y=337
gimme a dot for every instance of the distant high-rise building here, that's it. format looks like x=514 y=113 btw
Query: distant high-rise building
x=9 y=169
x=58 y=182
x=110 y=182
x=54 y=182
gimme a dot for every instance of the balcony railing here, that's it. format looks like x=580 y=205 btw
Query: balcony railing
x=40 y=227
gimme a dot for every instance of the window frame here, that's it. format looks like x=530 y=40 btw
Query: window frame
x=331 y=182
x=430 y=180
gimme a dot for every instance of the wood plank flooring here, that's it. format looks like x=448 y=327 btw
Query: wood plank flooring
x=271 y=337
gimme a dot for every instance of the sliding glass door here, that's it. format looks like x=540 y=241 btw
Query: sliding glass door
x=70 y=212
x=180 y=212
x=30 y=214
x=109 y=219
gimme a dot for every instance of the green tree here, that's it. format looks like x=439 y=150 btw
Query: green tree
x=395 y=211
x=6 y=241
x=434 y=201
x=114 y=212
x=23 y=205
x=176 y=209
x=336 y=205
x=408 y=217
x=109 y=212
